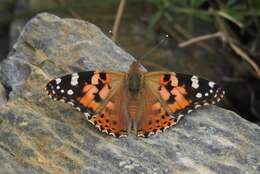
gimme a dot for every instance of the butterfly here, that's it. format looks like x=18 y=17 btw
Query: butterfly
x=144 y=102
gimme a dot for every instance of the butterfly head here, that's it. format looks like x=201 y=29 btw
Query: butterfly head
x=135 y=67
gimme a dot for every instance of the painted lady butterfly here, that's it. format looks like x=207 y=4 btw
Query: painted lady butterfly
x=147 y=102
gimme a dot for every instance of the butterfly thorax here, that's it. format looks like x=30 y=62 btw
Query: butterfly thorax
x=134 y=94
x=135 y=79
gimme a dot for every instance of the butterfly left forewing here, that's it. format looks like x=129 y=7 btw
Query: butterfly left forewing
x=92 y=92
x=176 y=95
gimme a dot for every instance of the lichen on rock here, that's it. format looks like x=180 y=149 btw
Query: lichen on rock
x=38 y=135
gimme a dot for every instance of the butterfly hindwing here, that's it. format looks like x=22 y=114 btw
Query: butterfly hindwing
x=154 y=118
x=91 y=92
x=112 y=119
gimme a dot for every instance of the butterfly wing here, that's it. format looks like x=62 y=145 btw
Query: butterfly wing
x=171 y=96
x=96 y=94
x=113 y=119
x=154 y=117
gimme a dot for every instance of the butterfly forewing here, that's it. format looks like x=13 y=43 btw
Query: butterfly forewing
x=93 y=93
x=177 y=94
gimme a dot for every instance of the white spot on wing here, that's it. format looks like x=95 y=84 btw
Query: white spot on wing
x=57 y=87
x=194 y=78
x=122 y=136
x=140 y=135
x=194 y=82
x=211 y=84
x=74 y=79
x=71 y=103
x=70 y=92
x=62 y=91
x=198 y=95
x=58 y=80
x=86 y=114
x=91 y=122
x=197 y=106
x=206 y=94
x=195 y=85
x=179 y=117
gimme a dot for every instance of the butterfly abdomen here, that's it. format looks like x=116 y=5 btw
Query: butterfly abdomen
x=132 y=108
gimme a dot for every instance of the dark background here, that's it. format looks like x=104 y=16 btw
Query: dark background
x=221 y=36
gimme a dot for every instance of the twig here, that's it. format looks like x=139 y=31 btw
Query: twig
x=232 y=43
x=187 y=35
x=118 y=19
x=230 y=18
x=201 y=38
x=243 y=55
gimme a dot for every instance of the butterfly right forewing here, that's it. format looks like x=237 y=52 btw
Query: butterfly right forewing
x=174 y=95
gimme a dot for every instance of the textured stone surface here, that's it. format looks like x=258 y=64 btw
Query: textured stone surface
x=38 y=135
x=3 y=98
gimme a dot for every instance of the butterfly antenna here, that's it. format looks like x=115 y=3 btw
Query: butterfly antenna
x=154 y=48
x=110 y=33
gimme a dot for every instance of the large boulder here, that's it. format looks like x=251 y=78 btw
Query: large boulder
x=39 y=135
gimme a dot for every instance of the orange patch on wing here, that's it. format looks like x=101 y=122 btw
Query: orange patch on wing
x=156 y=106
x=155 y=122
x=110 y=105
x=108 y=122
x=174 y=107
x=181 y=89
x=87 y=88
x=164 y=93
x=103 y=93
x=94 y=105
x=94 y=79
x=162 y=80
x=88 y=97
x=180 y=101
x=174 y=81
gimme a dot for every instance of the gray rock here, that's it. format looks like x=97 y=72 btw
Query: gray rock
x=3 y=98
x=38 y=135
